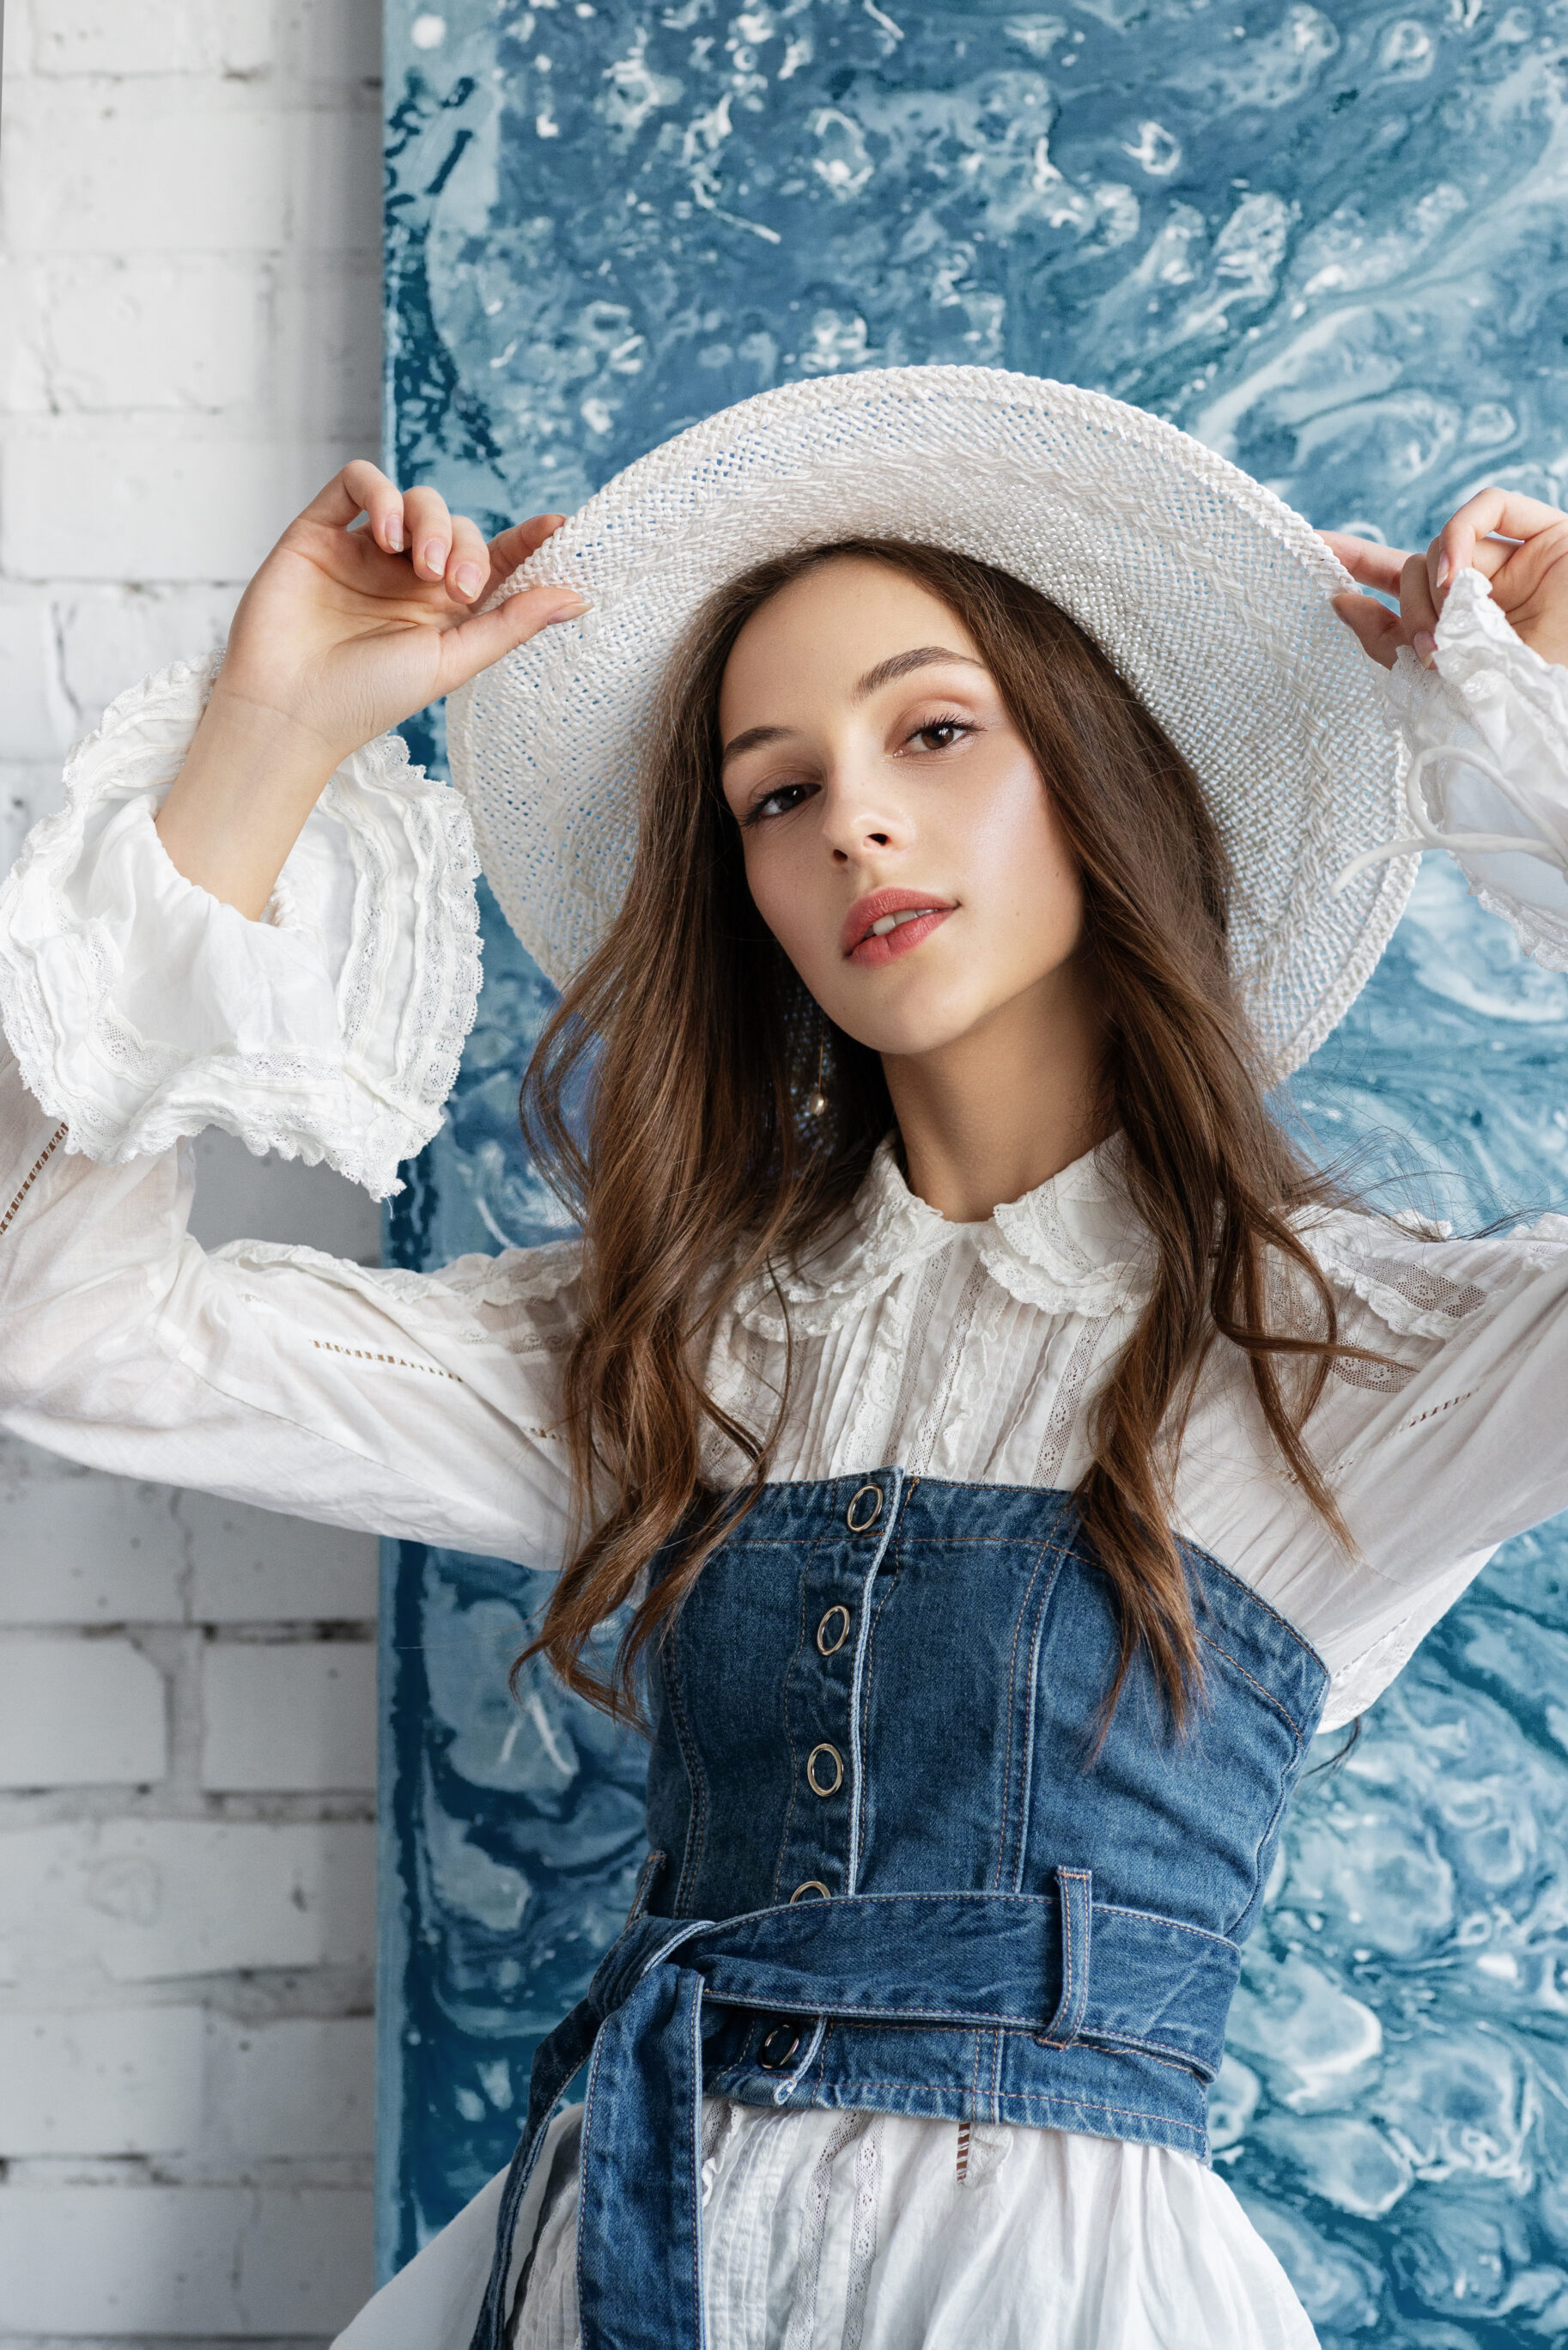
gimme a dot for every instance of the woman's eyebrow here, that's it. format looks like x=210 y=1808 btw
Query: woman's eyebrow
x=897 y=665
x=750 y=740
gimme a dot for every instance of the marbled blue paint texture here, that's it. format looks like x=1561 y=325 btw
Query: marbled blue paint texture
x=1330 y=242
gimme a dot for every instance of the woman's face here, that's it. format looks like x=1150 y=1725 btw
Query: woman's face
x=900 y=842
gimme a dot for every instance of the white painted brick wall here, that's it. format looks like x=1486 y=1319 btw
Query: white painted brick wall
x=189 y=277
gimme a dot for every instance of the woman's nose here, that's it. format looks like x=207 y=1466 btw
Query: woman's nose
x=858 y=817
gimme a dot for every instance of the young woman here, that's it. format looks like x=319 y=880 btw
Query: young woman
x=954 y=803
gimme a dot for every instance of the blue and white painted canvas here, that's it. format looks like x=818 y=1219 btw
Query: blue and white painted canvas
x=1330 y=242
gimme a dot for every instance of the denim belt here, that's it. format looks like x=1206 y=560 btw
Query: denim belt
x=1060 y=1966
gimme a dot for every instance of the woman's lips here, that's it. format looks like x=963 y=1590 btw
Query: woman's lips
x=888 y=923
x=902 y=941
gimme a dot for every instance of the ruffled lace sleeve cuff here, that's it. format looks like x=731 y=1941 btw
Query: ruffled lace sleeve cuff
x=1487 y=730
x=141 y=1009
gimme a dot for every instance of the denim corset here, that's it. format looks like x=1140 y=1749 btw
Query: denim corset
x=888 y=1868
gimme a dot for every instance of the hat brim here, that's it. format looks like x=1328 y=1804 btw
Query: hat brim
x=1207 y=592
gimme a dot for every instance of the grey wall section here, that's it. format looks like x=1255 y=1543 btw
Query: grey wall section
x=1328 y=241
x=187 y=1689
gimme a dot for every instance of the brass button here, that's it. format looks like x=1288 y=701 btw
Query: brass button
x=864 y=1509
x=779 y=2048
x=832 y=1631
x=822 y=1762
x=813 y=1885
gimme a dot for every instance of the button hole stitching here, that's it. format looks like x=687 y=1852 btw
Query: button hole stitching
x=33 y=1173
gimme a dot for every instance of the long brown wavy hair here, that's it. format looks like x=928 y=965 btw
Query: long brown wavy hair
x=696 y=1044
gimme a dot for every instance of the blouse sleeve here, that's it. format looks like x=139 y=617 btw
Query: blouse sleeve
x=1452 y=1440
x=1486 y=732
x=139 y=1009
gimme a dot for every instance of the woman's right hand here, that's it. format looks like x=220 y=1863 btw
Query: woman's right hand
x=343 y=633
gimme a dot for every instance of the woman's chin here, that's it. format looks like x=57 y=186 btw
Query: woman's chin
x=910 y=1032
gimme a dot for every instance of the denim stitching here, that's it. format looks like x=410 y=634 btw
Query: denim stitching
x=694 y=2142
x=1041 y=2097
x=1267 y=1695
x=1062 y=1541
x=883 y=1589
x=789 y=1736
x=696 y=1782
x=1010 y=1691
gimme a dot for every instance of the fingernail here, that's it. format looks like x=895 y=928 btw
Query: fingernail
x=434 y=558
x=1426 y=646
x=469 y=580
x=571 y=608
x=395 y=536
x=1442 y=569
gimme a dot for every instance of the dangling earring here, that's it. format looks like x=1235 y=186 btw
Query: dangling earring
x=816 y=1100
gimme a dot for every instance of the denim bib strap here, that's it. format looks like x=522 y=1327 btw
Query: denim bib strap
x=944 y=1961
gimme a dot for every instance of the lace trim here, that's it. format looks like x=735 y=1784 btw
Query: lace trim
x=862 y=2233
x=1064 y=1410
x=1411 y=1297
x=1029 y=1248
x=801 y=2333
x=411 y=846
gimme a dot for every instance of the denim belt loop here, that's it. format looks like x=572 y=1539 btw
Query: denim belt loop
x=1075 y=1887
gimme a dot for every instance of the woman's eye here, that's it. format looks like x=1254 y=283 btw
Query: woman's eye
x=777 y=802
x=940 y=734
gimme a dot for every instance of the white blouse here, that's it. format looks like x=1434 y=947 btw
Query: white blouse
x=138 y=1009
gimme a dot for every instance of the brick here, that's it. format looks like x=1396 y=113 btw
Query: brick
x=80 y=1548
x=165 y=166
x=146 y=1900
x=288 y=1717
x=205 y=2260
x=24 y=347
x=338 y=44
x=141 y=499
x=335 y=180
x=112 y=637
x=304 y=2087
x=325 y=363
x=79 y=1714
x=121 y=2081
x=253 y=1566
x=107 y=2080
x=28 y=789
x=36 y=720
x=148 y=331
x=156 y=36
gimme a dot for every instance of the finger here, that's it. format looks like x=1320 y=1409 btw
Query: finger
x=486 y=637
x=1520 y=572
x=361 y=488
x=1417 y=606
x=1374 y=566
x=428 y=527
x=1376 y=627
x=516 y=545
x=1490 y=555
x=1507 y=512
x=468 y=565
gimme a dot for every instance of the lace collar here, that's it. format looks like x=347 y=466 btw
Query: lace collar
x=1073 y=1245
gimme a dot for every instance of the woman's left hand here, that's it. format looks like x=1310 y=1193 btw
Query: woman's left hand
x=1517 y=543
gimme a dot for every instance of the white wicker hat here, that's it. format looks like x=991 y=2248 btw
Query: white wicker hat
x=1209 y=595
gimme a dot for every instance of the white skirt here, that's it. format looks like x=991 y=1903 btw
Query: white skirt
x=856 y=2232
